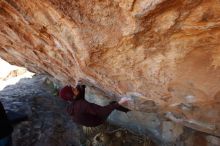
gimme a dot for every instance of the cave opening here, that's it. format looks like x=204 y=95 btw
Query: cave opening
x=11 y=74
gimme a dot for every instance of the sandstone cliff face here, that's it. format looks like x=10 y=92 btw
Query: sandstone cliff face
x=163 y=54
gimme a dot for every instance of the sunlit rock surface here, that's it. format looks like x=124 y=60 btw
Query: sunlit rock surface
x=165 y=54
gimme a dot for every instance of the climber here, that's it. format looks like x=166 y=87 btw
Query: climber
x=86 y=113
x=5 y=128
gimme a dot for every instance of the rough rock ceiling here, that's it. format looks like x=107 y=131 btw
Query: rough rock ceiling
x=163 y=53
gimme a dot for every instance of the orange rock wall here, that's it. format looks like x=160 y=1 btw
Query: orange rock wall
x=162 y=52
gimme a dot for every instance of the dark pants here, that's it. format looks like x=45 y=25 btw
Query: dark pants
x=6 y=141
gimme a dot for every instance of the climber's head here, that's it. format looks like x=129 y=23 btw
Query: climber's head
x=68 y=93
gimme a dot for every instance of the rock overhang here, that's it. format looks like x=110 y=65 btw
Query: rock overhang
x=163 y=54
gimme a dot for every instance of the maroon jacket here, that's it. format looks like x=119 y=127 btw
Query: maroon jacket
x=89 y=114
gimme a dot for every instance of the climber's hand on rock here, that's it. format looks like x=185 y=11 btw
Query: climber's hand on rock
x=124 y=100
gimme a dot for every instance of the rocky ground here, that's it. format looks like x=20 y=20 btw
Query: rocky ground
x=48 y=124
